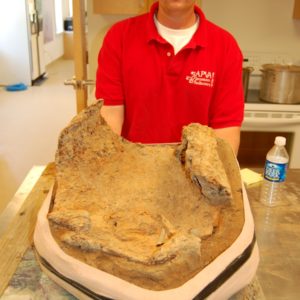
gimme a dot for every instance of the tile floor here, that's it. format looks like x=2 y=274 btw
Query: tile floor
x=30 y=122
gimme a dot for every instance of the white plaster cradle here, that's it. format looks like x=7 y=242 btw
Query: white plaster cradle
x=223 y=277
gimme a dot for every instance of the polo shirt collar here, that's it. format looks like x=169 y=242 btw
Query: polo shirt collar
x=199 y=39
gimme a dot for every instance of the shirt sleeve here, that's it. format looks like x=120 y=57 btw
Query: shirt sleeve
x=109 y=85
x=227 y=107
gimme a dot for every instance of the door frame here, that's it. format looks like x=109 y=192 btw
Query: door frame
x=80 y=53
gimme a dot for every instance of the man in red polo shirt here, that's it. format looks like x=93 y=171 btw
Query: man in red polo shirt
x=165 y=69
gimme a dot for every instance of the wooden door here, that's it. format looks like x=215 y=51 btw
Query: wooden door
x=79 y=81
x=131 y=7
x=80 y=53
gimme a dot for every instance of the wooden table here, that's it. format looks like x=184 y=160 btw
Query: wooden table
x=277 y=230
x=19 y=234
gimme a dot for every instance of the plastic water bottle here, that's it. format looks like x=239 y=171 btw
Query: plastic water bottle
x=274 y=173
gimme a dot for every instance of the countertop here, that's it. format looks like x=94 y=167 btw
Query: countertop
x=278 y=236
x=277 y=231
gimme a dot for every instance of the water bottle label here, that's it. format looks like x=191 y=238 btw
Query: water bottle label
x=275 y=172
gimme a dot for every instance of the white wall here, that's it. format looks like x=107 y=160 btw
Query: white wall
x=97 y=27
x=54 y=49
x=14 y=43
x=14 y=40
x=258 y=25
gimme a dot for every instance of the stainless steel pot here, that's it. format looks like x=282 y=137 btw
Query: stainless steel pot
x=280 y=84
x=246 y=76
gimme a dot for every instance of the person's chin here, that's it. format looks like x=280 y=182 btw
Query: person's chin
x=177 y=5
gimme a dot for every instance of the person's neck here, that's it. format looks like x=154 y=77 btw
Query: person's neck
x=177 y=20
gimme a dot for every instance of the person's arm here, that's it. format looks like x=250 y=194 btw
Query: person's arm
x=227 y=106
x=231 y=135
x=114 y=116
x=109 y=78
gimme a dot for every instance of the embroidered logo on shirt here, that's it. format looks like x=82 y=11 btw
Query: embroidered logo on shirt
x=205 y=78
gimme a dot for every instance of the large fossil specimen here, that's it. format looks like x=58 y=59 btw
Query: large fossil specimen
x=153 y=215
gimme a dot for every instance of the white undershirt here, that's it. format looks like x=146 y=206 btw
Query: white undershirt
x=178 y=38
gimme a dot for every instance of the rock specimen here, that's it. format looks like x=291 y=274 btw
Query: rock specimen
x=153 y=215
x=199 y=154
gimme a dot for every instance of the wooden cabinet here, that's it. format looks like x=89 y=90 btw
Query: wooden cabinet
x=131 y=7
x=68 y=45
x=296 y=14
x=121 y=7
x=254 y=147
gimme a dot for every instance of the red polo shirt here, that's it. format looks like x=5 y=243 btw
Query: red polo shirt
x=161 y=91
